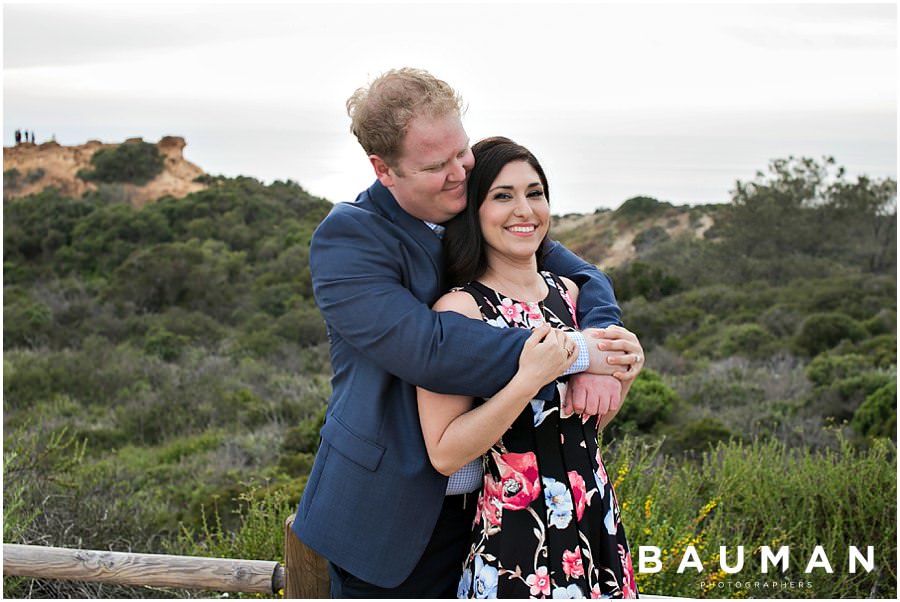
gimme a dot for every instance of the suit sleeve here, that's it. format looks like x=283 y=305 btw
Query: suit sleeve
x=597 y=305
x=358 y=285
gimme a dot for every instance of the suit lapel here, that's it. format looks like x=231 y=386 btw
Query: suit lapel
x=416 y=228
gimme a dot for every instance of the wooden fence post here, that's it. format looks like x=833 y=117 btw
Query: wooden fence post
x=305 y=572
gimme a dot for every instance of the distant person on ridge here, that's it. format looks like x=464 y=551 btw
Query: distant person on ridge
x=389 y=523
x=18 y=136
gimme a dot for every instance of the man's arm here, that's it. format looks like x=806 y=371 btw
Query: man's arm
x=359 y=286
x=596 y=308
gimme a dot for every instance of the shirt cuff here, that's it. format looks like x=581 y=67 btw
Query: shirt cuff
x=581 y=364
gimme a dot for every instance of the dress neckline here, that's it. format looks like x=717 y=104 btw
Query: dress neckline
x=550 y=287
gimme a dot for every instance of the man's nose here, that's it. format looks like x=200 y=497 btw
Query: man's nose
x=458 y=170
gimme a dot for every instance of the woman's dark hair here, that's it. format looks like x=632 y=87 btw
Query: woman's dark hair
x=464 y=256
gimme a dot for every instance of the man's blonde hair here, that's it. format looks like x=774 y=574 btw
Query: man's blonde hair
x=381 y=112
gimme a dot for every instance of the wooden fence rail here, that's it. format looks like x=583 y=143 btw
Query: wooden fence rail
x=303 y=575
x=155 y=570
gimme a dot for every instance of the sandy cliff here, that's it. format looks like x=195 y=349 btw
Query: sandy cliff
x=50 y=164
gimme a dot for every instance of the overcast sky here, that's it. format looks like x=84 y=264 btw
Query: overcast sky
x=672 y=100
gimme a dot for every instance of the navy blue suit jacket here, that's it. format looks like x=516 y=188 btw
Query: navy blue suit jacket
x=373 y=498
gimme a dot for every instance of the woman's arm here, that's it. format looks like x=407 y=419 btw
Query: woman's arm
x=454 y=432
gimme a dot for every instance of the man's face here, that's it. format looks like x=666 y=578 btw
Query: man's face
x=429 y=178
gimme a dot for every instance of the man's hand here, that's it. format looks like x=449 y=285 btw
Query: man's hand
x=598 y=357
x=630 y=360
x=592 y=394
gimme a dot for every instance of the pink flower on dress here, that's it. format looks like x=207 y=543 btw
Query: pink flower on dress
x=579 y=493
x=511 y=310
x=596 y=594
x=490 y=506
x=535 y=317
x=520 y=483
x=601 y=470
x=571 y=563
x=539 y=582
x=629 y=589
x=568 y=299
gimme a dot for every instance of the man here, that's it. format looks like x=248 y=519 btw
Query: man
x=373 y=505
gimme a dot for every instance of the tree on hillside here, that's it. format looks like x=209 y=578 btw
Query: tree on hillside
x=864 y=216
x=804 y=210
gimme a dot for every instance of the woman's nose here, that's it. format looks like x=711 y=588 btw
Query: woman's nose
x=522 y=207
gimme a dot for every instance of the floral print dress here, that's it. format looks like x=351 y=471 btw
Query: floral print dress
x=547 y=523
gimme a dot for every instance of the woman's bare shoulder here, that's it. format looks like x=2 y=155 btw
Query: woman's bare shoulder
x=460 y=302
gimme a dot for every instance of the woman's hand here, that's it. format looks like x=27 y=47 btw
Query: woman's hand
x=616 y=338
x=547 y=353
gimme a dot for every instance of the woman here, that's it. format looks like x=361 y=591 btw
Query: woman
x=547 y=521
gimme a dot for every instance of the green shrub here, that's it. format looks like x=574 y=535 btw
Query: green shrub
x=131 y=162
x=11 y=179
x=641 y=207
x=880 y=351
x=825 y=369
x=884 y=322
x=697 y=436
x=781 y=320
x=749 y=340
x=877 y=416
x=260 y=515
x=305 y=436
x=821 y=331
x=303 y=326
x=641 y=279
x=717 y=393
x=194 y=276
x=649 y=238
x=649 y=402
x=164 y=344
x=840 y=399
x=34 y=175
x=26 y=322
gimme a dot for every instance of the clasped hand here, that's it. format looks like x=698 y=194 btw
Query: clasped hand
x=616 y=359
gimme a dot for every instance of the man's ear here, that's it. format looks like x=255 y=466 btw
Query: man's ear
x=382 y=171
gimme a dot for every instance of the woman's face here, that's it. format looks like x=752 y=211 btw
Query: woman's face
x=515 y=215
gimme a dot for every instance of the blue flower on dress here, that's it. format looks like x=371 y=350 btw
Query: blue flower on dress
x=497 y=322
x=537 y=407
x=610 y=522
x=485 y=579
x=559 y=503
x=465 y=584
x=573 y=591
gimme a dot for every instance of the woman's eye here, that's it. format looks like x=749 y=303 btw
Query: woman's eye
x=502 y=196
x=536 y=193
